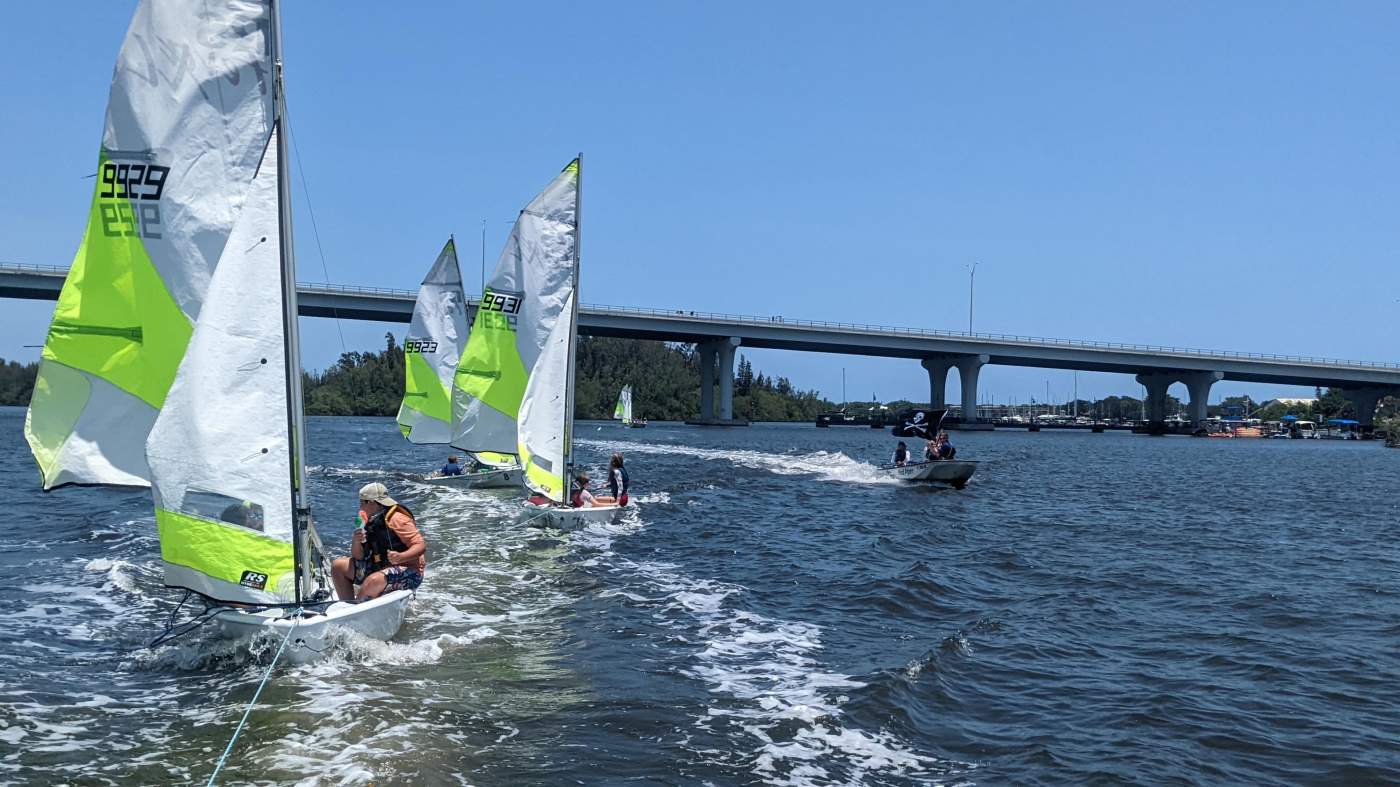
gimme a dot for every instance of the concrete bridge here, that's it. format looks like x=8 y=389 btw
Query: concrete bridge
x=717 y=336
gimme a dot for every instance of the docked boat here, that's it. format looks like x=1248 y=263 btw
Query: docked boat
x=173 y=359
x=954 y=472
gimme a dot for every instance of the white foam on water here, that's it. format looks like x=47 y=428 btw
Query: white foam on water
x=769 y=685
x=826 y=465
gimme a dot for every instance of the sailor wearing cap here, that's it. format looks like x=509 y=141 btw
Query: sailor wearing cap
x=386 y=550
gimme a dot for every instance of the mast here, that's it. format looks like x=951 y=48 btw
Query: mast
x=573 y=341
x=296 y=427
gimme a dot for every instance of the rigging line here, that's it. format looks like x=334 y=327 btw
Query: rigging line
x=253 y=702
x=316 y=232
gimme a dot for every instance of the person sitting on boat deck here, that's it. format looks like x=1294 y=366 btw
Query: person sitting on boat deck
x=617 y=480
x=931 y=450
x=453 y=467
x=582 y=498
x=901 y=455
x=387 y=552
x=945 y=448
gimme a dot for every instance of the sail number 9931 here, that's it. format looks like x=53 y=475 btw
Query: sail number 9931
x=498 y=310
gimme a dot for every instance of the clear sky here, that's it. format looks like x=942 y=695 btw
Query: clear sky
x=1215 y=175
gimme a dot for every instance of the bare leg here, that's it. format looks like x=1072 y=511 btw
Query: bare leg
x=344 y=578
x=373 y=585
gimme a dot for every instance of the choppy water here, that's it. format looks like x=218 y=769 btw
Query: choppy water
x=1092 y=608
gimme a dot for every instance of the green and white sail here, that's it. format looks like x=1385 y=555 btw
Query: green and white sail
x=193 y=303
x=434 y=344
x=189 y=115
x=623 y=410
x=524 y=298
x=221 y=449
x=544 y=412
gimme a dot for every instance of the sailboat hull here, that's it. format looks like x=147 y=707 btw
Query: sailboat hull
x=503 y=478
x=565 y=518
x=378 y=619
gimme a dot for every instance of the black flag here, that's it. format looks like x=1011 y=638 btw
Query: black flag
x=923 y=424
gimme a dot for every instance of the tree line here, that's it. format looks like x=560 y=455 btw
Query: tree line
x=665 y=380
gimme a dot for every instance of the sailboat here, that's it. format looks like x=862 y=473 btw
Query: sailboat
x=623 y=411
x=172 y=360
x=437 y=335
x=545 y=434
x=527 y=302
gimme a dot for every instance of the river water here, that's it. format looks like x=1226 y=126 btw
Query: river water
x=1091 y=609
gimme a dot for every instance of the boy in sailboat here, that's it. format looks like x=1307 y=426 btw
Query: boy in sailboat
x=387 y=552
x=453 y=467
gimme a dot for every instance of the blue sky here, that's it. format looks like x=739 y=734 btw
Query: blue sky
x=1194 y=174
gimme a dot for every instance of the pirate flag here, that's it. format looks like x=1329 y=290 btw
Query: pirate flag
x=922 y=424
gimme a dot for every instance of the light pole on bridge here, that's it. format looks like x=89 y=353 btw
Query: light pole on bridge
x=971 y=280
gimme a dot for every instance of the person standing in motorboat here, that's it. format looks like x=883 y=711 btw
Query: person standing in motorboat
x=453 y=467
x=387 y=552
x=901 y=455
x=617 y=480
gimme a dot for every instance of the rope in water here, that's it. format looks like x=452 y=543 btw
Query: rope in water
x=296 y=621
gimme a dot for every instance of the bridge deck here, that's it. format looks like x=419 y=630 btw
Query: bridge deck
x=392 y=305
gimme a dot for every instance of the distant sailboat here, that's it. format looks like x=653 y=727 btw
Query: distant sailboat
x=547 y=242
x=528 y=294
x=623 y=411
x=172 y=360
x=437 y=337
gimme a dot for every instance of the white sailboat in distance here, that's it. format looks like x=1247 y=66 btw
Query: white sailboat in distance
x=623 y=411
x=172 y=360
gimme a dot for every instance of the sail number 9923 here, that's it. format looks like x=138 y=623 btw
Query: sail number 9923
x=419 y=346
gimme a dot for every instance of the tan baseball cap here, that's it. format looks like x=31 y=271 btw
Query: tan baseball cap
x=378 y=493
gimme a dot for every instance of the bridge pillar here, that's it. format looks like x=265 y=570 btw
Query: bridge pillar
x=1198 y=384
x=937 y=380
x=707 y=380
x=1156 y=385
x=726 y=377
x=1364 y=401
x=969 y=366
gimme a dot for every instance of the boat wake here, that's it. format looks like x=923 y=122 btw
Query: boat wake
x=826 y=465
x=769 y=688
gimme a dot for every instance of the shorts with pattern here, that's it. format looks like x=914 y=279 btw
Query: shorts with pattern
x=395 y=577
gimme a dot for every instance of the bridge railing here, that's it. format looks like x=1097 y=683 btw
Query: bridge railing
x=850 y=327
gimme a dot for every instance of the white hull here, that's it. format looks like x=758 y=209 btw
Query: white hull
x=566 y=518
x=948 y=471
x=506 y=477
x=378 y=619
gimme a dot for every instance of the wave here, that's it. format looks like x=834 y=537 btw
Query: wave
x=827 y=465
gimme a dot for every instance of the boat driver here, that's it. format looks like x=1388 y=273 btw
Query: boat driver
x=386 y=549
